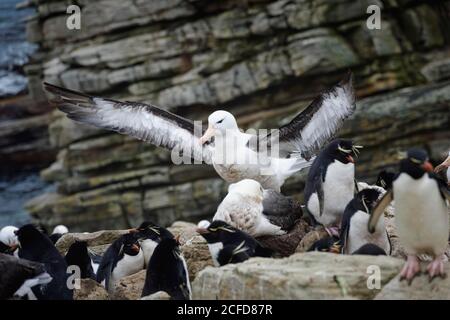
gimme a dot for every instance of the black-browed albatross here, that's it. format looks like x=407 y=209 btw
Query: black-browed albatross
x=235 y=155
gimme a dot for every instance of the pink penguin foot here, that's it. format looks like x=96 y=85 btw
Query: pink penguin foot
x=436 y=268
x=410 y=269
x=333 y=231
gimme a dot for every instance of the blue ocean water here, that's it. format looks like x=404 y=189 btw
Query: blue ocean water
x=14 y=49
x=15 y=191
x=18 y=187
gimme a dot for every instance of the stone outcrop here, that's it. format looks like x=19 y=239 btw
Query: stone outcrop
x=263 y=60
x=130 y=287
x=90 y=290
x=420 y=289
x=301 y=276
x=311 y=275
x=24 y=137
x=94 y=239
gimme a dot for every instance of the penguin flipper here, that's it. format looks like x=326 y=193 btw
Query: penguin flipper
x=262 y=251
x=378 y=210
x=232 y=254
x=320 y=196
x=345 y=226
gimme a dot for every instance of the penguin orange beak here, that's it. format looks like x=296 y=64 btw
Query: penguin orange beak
x=135 y=248
x=427 y=166
x=134 y=230
x=350 y=159
x=209 y=133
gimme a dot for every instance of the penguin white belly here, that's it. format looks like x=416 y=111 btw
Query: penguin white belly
x=338 y=190
x=148 y=246
x=94 y=266
x=128 y=265
x=421 y=215
x=358 y=234
x=188 y=283
x=214 y=249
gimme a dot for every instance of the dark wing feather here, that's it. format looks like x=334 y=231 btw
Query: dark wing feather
x=317 y=123
x=142 y=121
x=281 y=210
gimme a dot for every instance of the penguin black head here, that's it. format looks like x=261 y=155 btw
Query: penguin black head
x=385 y=179
x=130 y=245
x=29 y=235
x=416 y=163
x=367 y=199
x=218 y=231
x=342 y=150
x=371 y=250
x=149 y=230
x=78 y=255
x=328 y=244
x=169 y=245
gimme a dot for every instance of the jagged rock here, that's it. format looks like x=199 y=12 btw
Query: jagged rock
x=160 y=295
x=420 y=289
x=197 y=256
x=130 y=287
x=310 y=238
x=287 y=244
x=90 y=290
x=93 y=239
x=193 y=247
x=24 y=140
x=300 y=276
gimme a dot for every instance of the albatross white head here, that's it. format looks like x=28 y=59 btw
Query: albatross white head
x=219 y=122
x=247 y=187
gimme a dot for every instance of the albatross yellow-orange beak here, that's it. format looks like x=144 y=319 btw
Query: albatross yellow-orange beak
x=207 y=135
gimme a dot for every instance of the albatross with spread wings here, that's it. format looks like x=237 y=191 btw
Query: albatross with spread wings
x=235 y=155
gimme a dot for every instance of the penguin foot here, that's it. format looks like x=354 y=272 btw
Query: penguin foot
x=436 y=268
x=333 y=231
x=410 y=270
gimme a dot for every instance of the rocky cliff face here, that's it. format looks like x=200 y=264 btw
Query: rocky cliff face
x=262 y=60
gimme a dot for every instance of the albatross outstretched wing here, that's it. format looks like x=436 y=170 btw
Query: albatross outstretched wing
x=142 y=121
x=317 y=123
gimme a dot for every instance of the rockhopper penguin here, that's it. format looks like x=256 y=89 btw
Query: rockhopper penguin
x=230 y=245
x=354 y=233
x=123 y=258
x=149 y=236
x=331 y=184
x=35 y=246
x=167 y=271
x=420 y=213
